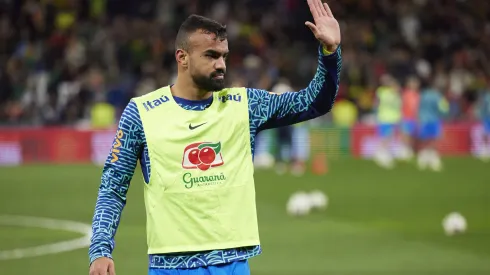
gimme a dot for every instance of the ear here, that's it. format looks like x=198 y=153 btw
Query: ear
x=182 y=57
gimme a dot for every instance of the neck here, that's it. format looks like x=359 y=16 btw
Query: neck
x=187 y=89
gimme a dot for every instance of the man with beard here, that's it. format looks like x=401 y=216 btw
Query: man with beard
x=194 y=140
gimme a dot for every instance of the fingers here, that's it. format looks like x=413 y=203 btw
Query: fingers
x=102 y=266
x=112 y=269
x=99 y=270
x=313 y=8
x=319 y=6
x=328 y=10
x=93 y=270
x=318 y=9
x=312 y=27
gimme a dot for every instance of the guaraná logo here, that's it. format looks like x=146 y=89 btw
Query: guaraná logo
x=191 y=181
x=202 y=156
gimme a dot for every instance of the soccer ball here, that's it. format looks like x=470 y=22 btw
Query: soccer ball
x=318 y=199
x=264 y=160
x=454 y=223
x=299 y=204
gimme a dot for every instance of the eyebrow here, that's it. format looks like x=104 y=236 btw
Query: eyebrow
x=214 y=52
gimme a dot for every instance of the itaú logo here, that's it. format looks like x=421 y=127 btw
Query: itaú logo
x=152 y=104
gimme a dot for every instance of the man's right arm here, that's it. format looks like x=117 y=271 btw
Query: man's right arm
x=116 y=176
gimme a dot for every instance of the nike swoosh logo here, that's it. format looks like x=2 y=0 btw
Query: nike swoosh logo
x=196 y=126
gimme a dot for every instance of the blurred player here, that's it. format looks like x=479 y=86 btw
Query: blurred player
x=433 y=106
x=283 y=150
x=292 y=140
x=300 y=148
x=195 y=140
x=484 y=112
x=410 y=105
x=283 y=134
x=388 y=111
x=263 y=158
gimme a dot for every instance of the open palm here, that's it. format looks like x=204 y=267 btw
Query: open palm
x=326 y=28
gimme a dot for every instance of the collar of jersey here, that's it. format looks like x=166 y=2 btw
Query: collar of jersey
x=209 y=102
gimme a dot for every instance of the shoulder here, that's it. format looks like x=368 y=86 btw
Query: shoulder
x=233 y=90
x=132 y=107
x=258 y=93
x=151 y=95
x=238 y=94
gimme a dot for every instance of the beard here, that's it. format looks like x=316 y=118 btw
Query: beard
x=208 y=83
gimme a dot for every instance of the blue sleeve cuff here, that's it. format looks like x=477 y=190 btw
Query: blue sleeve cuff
x=99 y=255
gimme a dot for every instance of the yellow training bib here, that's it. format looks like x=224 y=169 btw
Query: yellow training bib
x=201 y=193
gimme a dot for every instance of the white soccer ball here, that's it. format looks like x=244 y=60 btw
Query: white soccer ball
x=454 y=223
x=318 y=199
x=264 y=160
x=299 y=204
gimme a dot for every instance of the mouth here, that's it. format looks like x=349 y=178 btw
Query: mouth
x=219 y=76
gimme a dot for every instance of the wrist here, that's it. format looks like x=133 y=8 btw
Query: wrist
x=101 y=254
x=329 y=49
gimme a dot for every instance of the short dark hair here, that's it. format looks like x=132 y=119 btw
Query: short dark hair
x=194 y=23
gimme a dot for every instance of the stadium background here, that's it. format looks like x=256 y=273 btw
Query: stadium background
x=68 y=68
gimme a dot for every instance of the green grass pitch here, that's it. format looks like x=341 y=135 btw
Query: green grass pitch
x=377 y=221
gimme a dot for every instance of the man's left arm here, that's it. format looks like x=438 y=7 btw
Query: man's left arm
x=268 y=110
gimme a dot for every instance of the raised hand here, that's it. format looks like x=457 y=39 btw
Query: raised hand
x=326 y=28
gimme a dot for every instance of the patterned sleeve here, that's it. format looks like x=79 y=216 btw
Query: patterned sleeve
x=116 y=176
x=268 y=110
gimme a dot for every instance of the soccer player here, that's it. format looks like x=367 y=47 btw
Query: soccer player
x=284 y=139
x=388 y=111
x=484 y=112
x=194 y=140
x=283 y=135
x=292 y=141
x=410 y=105
x=300 y=148
x=433 y=106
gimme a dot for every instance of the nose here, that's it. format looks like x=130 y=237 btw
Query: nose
x=220 y=64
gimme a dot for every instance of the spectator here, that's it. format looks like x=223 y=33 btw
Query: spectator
x=49 y=50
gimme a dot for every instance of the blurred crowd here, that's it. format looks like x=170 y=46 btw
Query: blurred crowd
x=73 y=62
